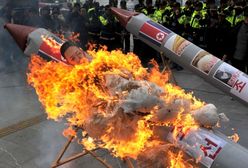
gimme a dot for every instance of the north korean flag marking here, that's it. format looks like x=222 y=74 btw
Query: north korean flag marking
x=154 y=32
x=160 y=36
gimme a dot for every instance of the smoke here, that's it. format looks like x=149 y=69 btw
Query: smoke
x=13 y=68
x=15 y=96
x=13 y=85
x=50 y=142
x=12 y=59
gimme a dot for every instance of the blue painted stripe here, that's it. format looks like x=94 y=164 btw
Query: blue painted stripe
x=160 y=27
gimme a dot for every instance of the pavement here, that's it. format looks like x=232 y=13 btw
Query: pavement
x=29 y=140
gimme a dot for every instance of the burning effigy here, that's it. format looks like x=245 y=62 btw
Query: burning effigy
x=116 y=100
x=123 y=107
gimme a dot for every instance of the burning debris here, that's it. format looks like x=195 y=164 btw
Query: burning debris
x=161 y=155
x=125 y=108
x=115 y=102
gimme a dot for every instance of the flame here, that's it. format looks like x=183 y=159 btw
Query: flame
x=132 y=147
x=89 y=143
x=69 y=132
x=177 y=161
x=234 y=137
x=79 y=94
x=51 y=44
x=73 y=36
x=156 y=76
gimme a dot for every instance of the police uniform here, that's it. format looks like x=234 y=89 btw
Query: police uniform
x=119 y=36
x=197 y=25
x=184 y=21
x=166 y=16
x=94 y=25
x=107 y=36
x=233 y=18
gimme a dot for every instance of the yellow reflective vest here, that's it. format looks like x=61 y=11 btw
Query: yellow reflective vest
x=157 y=15
x=103 y=20
x=234 y=19
x=195 y=19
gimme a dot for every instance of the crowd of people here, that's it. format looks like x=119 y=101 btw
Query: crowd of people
x=222 y=30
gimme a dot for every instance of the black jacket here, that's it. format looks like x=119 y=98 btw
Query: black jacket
x=241 y=50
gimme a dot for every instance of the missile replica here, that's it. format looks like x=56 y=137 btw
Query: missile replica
x=213 y=149
x=210 y=148
x=222 y=75
x=32 y=41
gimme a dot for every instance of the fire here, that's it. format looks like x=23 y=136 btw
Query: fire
x=80 y=94
x=156 y=76
x=52 y=46
x=234 y=137
x=131 y=147
x=89 y=143
x=183 y=124
x=69 y=132
x=177 y=161
x=73 y=36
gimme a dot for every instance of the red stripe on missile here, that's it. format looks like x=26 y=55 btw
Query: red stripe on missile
x=153 y=33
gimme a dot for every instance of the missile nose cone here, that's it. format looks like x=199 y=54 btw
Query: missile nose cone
x=123 y=15
x=19 y=33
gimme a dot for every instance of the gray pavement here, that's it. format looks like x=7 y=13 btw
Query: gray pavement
x=38 y=146
x=28 y=140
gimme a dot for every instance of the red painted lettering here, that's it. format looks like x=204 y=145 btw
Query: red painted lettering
x=239 y=85
x=211 y=149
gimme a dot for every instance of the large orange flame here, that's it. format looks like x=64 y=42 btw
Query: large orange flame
x=177 y=161
x=79 y=94
x=234 y=137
